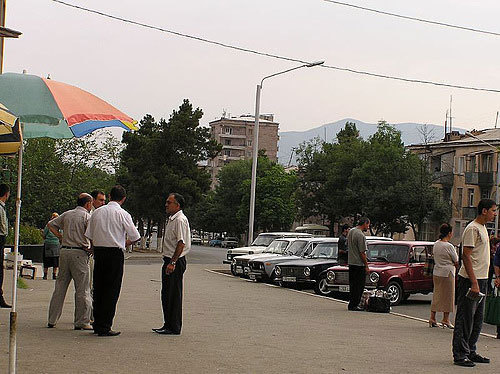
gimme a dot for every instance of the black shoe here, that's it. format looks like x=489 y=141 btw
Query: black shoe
x=464 y=362
x=161 y=328
x=50 y=326
x=474 y=357
x=3 y=304
x=166 y=332
x=109 y=333
x=356 y=309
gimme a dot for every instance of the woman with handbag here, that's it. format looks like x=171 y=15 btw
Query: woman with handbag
x=445 y=263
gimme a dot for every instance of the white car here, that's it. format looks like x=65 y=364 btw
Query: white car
x=260 y=244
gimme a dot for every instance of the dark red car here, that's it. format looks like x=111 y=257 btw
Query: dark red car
x=396 y=267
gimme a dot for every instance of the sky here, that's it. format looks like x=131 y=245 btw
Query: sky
x=143 y=71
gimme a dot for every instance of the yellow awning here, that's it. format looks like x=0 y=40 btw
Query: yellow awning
x=10 y=134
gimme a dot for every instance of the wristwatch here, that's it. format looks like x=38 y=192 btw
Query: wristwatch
x=172 y=263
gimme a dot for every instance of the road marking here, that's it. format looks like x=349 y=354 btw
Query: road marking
x=331 y=299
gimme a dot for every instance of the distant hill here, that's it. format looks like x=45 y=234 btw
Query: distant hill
x=290 y=139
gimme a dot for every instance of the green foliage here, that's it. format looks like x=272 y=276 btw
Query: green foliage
x=27 y=235
x=162 y=157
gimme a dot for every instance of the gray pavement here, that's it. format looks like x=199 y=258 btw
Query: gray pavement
x=230 y=326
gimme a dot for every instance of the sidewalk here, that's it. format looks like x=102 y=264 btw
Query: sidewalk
x=230 y=326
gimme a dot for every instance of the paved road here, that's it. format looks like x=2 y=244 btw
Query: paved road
x=416 y=306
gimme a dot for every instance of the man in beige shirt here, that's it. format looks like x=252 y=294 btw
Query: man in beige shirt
x=472 y=279
x=73 y=263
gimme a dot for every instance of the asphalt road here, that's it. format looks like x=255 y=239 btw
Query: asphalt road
x=416 y=306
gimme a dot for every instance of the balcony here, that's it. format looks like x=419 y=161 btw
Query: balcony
x=469 y=212
x=231 y=136
x=483 y=179
x=443 y=177
x=238 y=147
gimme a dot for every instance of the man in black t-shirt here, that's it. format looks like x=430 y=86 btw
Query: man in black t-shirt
x=343 y=250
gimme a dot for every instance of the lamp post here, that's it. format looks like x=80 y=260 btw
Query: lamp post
x=256 y=144
x=497 y=200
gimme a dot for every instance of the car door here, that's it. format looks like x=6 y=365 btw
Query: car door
x=418 y=281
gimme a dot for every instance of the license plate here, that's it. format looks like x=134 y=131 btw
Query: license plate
x=238 y=270
x=289 y=279
x=252 y=276
x=344 y=288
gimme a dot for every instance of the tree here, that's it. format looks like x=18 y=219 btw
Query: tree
x=163 y=157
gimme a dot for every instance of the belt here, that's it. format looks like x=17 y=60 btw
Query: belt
x=65 y=246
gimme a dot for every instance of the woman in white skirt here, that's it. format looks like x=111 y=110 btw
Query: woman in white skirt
x=445 y=263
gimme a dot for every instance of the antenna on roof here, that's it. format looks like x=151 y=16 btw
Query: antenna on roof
x=496 y=120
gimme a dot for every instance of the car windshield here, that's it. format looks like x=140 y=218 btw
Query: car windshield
x=325 y=250
x=387 y=253
x=297 y=248
x=277 y=246
x=263 y=240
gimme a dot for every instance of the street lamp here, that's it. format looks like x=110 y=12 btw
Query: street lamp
x=497 y=200
x=256 y=144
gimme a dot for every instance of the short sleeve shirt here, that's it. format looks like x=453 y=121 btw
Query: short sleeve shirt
x=73 y=224
x=356 y=242
x=476 y=236
x=177 y=230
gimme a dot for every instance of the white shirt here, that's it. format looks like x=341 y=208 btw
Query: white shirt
x=177 y=230
x=110 y=225
x=476 y=236
x=445 y=256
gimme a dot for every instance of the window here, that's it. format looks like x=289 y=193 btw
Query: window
x=227 y=152
x=228 y=130
x=461 y=165
x=471 y=164
x=460 y=197
x=250 y=132
x=249 y=143
x=470 y=196
x=227 y=141
x=457 y=231
x=419 y=254
x=486 y=162
x=485 y=194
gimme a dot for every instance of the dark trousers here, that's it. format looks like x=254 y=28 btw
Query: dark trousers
x=468 y=319
x=357 y=277
x=2 y=245
x=171 y=294
x=108 y=274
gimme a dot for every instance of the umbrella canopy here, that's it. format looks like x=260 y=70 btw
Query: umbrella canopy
x=10 y=136
x=48 y=108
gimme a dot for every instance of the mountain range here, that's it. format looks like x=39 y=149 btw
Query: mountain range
x=410 y=134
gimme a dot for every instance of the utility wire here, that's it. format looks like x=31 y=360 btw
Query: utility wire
x=414 y=18
x=271 y=55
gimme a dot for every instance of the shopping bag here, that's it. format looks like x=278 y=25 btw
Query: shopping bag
x=492 y=308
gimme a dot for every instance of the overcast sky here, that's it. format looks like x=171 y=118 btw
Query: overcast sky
x=145 y=71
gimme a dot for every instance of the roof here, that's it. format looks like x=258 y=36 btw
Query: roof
x=243 y=119
x=491 y=136
x=404 y=242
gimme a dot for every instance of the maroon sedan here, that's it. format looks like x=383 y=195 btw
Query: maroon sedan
x=396 y=267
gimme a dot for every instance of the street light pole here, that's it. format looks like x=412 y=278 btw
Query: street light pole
x=255 y=147
x=497 y=199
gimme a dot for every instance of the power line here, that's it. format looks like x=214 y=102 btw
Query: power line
x=414 y=18
x=275 y=56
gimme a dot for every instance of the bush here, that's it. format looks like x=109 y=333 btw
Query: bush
x=27 y=235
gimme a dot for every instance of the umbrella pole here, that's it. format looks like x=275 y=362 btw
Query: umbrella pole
x=13 y=313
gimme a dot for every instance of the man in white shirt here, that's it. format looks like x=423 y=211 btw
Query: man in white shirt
x=472 y=279
x=108 y=229
x=176 y=244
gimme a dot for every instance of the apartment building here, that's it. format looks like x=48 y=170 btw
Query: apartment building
x=465 y=169
x=236 y=135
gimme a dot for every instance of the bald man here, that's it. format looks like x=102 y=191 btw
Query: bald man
x=73 y=263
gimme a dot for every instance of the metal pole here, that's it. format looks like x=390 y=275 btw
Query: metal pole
x=254 y=164
x=2 y=24
x=13 y=313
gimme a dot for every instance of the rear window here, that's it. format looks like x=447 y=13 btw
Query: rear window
x=325 y=250
x=387 y=253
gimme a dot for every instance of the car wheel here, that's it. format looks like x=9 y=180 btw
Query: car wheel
x=396 y=291
x=321 y=287
x=233 y=270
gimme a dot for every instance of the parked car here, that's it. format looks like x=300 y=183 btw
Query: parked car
x=260 y=244
x=304 y=273
x=217 y=242
x=195 y=240
x=396 y=267
x=262 y=268
x=229 y=242
x=278 y=247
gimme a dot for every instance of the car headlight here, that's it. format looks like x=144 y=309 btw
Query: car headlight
x=277 y=270
x=250 y=252
x=229 y=252
x=307 y=271
x=374 y=277
x=330 y=276
x=234 y=261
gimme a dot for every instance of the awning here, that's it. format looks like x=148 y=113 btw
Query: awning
x=10 y=134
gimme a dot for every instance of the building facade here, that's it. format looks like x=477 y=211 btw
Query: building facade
x=465 y=169
x=236 y=135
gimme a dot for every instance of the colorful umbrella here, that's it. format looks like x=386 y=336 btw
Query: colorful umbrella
x=10 y=137
x=47 y=108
